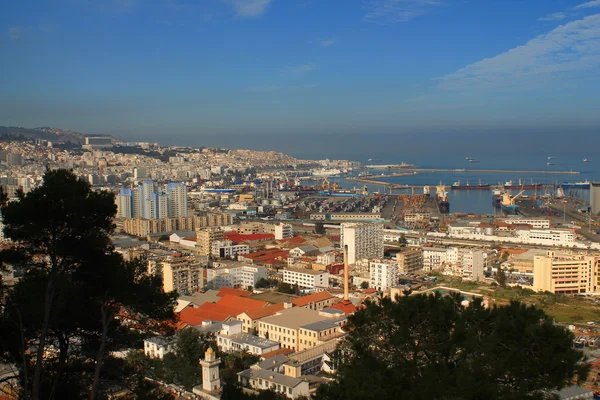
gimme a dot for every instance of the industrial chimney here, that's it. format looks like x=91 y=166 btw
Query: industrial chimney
x=346 y=283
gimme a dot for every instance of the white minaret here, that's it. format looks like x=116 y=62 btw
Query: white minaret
x=211 y=382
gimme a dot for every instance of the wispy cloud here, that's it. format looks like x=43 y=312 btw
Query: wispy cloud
x=572 y=47
x=553 y=17
x=302 y=68
x=393 y=11
x=328 y=42
x=250 y=8
x=15 y=32
x=589 y=4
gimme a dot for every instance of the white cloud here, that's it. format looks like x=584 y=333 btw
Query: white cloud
x=553 y=17
x=328 y=42
x=392 y=11
x=250 y=8
x=15 y=32
x=302 y=68
x=572 y=47
x=589 y=4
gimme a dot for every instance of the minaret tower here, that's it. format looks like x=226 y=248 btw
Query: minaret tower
x=211 y=382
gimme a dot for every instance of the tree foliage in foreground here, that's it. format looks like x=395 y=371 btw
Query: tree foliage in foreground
x=432 y=347
x=61 y=321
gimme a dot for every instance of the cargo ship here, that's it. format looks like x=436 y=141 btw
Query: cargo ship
x=531 y=186
x=441 y=197
x=297 y=189
x=580 y=185
x=508 y=202
x=481 y=186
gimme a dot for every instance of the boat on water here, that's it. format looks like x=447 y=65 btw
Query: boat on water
x=364 y=174
x=327 y=172
x=441 y=197
x=472 y=161
x=481 y=186
x=520 y=185
x=580 y=185
x=586 y=160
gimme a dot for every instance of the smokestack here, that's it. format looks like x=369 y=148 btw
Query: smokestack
x=346 y=284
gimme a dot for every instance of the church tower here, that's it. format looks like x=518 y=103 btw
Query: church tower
x=211 y=382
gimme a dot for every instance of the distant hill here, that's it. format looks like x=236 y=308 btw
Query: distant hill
x=47 y=133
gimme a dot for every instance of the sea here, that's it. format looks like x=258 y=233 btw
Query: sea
x=542 y=160
x=523 y=148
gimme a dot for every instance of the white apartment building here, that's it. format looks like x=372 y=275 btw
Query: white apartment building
x=383 y=274
x=234 y=275
x=434 y=257
x=226 y=249
x=326 y=258
x=363 y=240
x=176 y=200
x=472 y=264
x=283 y=231
x=306 y=278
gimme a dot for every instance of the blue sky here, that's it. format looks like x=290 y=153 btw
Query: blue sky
x=177 y=70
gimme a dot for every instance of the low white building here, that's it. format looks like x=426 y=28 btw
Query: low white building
x=434 y=257
x=264 y=379
x=235 y=275
x=158 y=346
x=231 y=339
x=306 y=278
x=556 y=237
x=383 y=274
x=326 y=258
x=226 y=249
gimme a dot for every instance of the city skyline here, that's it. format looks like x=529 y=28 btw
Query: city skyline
x=179 y=71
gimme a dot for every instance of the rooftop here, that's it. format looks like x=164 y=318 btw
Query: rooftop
x=246 y=338
x=265 y=311
x=234 y=292
x=311 y=298
x=294 y=318
x=322 y=325
x=273 y=297
x=305 y=271
x=271 y=376
x=273 y=362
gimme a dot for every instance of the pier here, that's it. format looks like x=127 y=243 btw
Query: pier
x=413 y=170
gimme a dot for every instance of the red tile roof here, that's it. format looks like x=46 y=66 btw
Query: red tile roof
x=294 y=240
x=239 y=304
x=227 y=306
x=267 y=256
x=311 y=298
x=265 y=312
x=238 y=238
x=277 y=352
x=224 y=291
x=345 y=306
x=513 y=251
